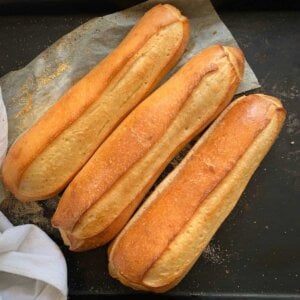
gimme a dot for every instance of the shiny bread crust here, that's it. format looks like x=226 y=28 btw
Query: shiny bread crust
x=45 y=158
x=174 y=225
x=105 y=193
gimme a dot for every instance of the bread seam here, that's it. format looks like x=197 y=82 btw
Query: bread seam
x=228 y=172
x=85 y=108
x=176 y=118
x=213 y=68
x=273 y=123
x=171 y=176
x=154 y=25
x=169 y=179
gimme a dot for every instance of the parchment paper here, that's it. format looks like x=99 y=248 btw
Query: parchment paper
x=30 y=91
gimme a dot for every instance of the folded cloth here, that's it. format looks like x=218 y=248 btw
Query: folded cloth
x=3 y=129
x=31 y=264
x=3 y=140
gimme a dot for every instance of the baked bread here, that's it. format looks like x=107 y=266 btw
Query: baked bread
x=105 y=193
x=168 y=233
x=45 y=158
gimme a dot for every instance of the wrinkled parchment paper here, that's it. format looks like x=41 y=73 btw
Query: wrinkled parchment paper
x=30 y=91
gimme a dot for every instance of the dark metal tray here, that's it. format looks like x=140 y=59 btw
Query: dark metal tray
x=256 y=252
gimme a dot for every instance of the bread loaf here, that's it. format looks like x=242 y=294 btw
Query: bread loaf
x=106 y=192
x=46 y=157
x=170 y=230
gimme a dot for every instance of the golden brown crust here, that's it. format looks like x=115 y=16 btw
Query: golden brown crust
x=114 y=181
x=58 y=119
x=153 y=252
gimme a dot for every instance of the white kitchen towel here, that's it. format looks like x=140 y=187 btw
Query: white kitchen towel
x=31 y=264
x=3 y=139
x=3 y=129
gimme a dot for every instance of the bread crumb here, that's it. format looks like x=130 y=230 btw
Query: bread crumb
x=26 y=108
x=32 y=212
x=49 y=75
x=212 y=253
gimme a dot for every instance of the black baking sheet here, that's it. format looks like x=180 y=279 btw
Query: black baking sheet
x=256 y=252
